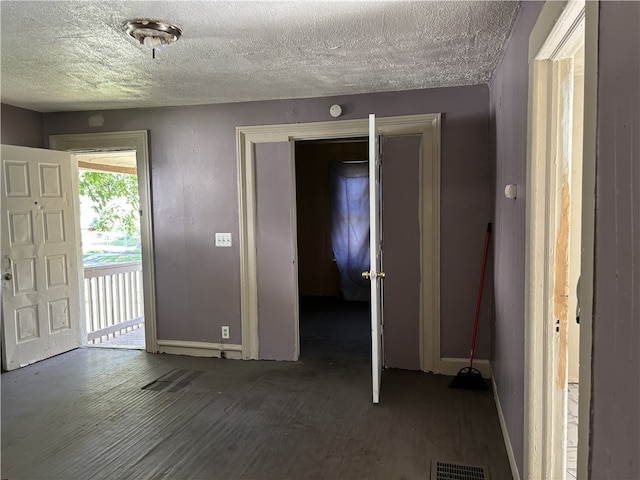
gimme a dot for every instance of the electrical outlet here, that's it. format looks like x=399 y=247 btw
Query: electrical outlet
x=225 y=332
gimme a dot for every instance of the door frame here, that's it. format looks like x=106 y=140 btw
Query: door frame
x=559 y=27
x=131 y=140
x=427 y=125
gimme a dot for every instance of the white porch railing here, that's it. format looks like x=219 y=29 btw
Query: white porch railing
x=114 y=300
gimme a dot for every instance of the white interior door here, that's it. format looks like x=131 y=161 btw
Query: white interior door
x=375 y=273
x=40 y=263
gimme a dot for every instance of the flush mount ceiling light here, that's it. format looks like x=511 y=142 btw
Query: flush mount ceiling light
x=154 y=34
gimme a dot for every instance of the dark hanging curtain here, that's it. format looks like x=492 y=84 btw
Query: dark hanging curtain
x=349 y=193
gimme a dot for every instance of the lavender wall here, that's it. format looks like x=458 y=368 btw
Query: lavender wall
x=615 y=423
x=21 y=127
x=400 y=223
x=194 y=183
x=509 y=91
x=275 y=253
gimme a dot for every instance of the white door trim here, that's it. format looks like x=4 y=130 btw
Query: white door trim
x=428 y=126
x=138 y=140
x=559 y=31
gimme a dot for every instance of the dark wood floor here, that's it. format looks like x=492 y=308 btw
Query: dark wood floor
x=334 y=330
x=85 y=415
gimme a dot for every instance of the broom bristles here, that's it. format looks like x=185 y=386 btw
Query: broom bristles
x=468 y=378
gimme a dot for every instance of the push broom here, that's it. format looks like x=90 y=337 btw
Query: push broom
x=469 y=378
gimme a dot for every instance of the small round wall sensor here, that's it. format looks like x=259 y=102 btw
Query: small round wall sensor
x=511 y=191
x=335 y=111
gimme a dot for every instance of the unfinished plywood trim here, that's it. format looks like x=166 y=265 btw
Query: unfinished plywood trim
x=427 y=125
x=451 y=366
x=106 y=168
x=135 y=140
x=200 y=349
x=561 y=283
x=505 y=432
x=109 y=158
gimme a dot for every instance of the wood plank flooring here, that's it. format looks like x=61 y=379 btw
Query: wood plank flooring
x=85 y=415
x=131 y=340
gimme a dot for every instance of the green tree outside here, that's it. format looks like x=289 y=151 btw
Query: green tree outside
x=106 y=191
x=115 y=204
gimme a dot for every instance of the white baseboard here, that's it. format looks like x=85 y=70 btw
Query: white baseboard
x=451 y=366
x=505 y=433
x=200 y=349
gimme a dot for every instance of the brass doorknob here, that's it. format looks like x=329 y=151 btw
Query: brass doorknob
x=8 y=276
x=367 y=275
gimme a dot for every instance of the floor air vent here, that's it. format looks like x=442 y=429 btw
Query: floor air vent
x=453 y=471
x=173 y=381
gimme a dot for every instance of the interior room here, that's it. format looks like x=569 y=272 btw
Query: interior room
x=333 y=296
x=520 y=115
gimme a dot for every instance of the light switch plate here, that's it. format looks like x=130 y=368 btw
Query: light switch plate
x=223 y=239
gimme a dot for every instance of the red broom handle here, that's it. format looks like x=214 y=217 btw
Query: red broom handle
x=475 y=323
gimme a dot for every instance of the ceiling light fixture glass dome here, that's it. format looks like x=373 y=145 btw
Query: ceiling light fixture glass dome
x=154 y=34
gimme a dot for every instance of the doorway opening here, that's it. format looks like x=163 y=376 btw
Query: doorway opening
x=112 y=249
x=332 y=205
x=130 y=141
x=256 y=144
x=558 y=357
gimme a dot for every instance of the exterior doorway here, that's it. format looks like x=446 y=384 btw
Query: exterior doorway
x=137 y=142
x=112 y=249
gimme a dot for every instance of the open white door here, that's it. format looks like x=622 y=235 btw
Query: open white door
x=40 y=294
x=375 y=273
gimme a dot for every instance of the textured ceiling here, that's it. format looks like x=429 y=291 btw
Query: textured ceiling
x=73 y=55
